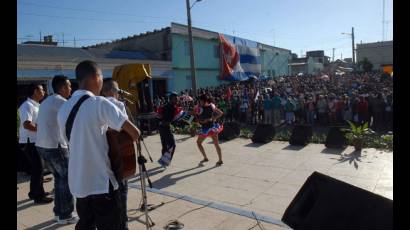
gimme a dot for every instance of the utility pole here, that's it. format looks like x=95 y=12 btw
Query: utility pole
x=333 y=55
x=74 y=41
x=341 y=56
x=40 y=36
x=63 y=39
x=191 y=48
x=353 y=51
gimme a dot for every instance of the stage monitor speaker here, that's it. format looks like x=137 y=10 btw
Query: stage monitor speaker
x=264 y=133
x=336 y=138
x=231 y=131
x=326 y=203
x=301 y=135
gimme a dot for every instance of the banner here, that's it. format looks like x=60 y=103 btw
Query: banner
x=240 y=58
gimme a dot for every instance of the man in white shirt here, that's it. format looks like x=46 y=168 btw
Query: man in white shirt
x=111 y=91
x=90 y=177
x=53 y=149
x=28 y=112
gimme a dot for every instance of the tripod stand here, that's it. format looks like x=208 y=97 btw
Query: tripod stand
x=143 y=173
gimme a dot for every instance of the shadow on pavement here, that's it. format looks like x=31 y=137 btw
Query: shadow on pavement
x=48 y=225
x=168 y=180
x=151 y=172
x=24 y=206
x=23 y=201
x=183 y=139
x=351 y=157
x=255 y=145
x=336 y=151
x=294 y=147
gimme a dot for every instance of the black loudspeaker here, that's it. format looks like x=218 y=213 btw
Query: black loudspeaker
x=326 y=203
x=231 y=131
x=301 y=135
x=336 y=138
x=264 y=133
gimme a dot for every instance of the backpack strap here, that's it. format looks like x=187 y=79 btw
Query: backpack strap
x=73 y=113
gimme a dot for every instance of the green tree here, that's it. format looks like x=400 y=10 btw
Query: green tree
x=366 y=65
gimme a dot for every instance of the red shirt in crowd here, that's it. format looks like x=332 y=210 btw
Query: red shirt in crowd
x=362 y=107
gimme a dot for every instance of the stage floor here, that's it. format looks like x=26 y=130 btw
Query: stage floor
x=254 y=178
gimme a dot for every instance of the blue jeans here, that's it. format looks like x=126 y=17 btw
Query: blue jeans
x=310 y=117
x=290 y=117
x=58 y=161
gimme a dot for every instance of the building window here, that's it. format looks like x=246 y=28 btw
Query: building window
x=217 y=52
x=186 y=48
x=320 y=60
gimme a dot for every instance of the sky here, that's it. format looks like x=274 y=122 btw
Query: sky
x=297 y=25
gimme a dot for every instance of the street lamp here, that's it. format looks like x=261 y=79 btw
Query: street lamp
x=353 y=56
x=191 y=46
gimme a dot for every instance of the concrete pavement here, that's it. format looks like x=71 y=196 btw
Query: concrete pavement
x=254 y=178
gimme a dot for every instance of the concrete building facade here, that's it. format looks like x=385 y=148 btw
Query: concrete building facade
x=172 y=44
x=378 y=53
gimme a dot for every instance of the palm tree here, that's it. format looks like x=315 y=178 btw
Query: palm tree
x=366 y=65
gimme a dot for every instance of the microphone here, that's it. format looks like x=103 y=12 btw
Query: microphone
x=121 y=91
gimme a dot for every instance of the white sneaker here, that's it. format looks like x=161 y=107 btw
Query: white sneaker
x=70 y=220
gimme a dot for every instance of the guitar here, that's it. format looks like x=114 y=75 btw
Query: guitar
x=122 y=154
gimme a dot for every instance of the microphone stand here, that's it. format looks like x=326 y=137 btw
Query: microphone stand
x=143 y=173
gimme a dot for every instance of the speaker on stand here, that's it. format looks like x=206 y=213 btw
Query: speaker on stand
x=336 y=138
x=301 y=135
x=326 y=203
x=231 y=131
x=264 y=133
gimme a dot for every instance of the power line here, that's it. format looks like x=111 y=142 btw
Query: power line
x=91 y=11
x=90 y=19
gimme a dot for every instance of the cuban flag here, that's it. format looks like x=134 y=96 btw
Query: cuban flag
x=179 y=113
x=240 y=58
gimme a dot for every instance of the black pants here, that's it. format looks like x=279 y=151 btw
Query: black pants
x=123 y=190
x=103 y=211
x=36 y=171
x=167 y=140
x=22 y=161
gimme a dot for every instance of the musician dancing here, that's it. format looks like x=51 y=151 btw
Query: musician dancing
x=207 y=114
x=111 y=91
x=90 y=175
x=167 y=114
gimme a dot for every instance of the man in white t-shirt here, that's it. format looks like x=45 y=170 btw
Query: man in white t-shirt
x=28 y=112
x=90 y=177
x=111 y=91
x=53 y=149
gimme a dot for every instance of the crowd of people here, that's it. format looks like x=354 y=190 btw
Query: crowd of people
x=315 y=100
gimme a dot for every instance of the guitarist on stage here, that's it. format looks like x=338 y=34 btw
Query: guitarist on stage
x=111 y=91
x=83 y=121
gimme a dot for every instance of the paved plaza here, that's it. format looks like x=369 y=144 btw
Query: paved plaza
x=255 y=178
